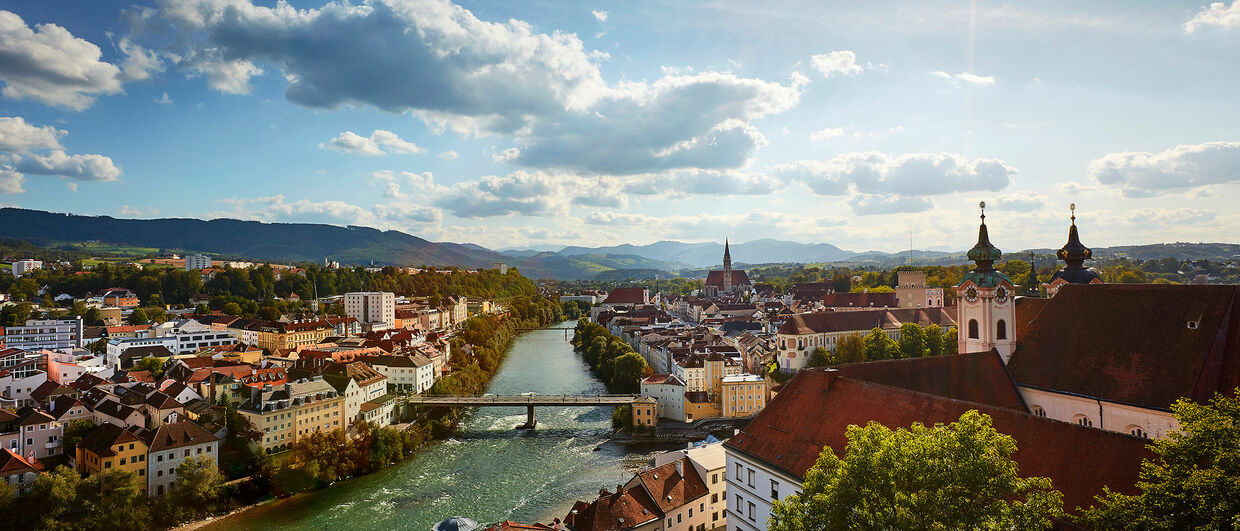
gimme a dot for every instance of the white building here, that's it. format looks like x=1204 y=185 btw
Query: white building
x=358 y=383
x=669 y=391
x=376 y=310
x=170 y=445
x=21 y=267
x=710 y=462
x=192 y=336
x=117 y=347
x=39 y=334
x=197 y=261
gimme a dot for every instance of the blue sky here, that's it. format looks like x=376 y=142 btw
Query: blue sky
x=542 y=124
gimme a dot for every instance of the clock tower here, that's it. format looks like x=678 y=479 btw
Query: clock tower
x=985 y=311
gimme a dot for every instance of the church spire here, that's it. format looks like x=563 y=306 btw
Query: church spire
x=984 y=254
x=1074 y=253
x=727 y=256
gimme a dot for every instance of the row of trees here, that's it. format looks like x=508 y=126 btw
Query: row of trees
x=62 y=499
x=962 y=476
x=915 y=342
x=611 y=358
x=323 y=457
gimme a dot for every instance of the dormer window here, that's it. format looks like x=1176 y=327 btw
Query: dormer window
x=1192 y=325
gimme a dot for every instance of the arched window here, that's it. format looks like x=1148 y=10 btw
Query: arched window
x=972 y=328
x=1001 y=329
x=1037 y=411
x=1138 y=431
x=1083 y=421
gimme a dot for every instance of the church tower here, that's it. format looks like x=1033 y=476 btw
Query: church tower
x=727 y=267
x=1074 y=255
x=985 y=309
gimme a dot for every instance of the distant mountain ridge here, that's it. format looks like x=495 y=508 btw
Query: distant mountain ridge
x=695 y=255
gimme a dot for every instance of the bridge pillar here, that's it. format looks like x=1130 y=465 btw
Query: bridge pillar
x=529 y=419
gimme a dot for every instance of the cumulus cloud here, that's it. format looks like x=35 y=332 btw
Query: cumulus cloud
x=48 y=64
x=448 y=155
x=405 y=212
x=870 y=204
x=967 y=77
x=1168 y=216
x=916 y=174
x=1217 y=14
x=1140 y=174
x=380 y=142
x=29 y=149
x=703 y=182
x=18 y=136
x=599 y=15
x=276 y=208
x=518 y=193
x=840 y=62
x=164 y=100
x=698 y=121
x=79 y=167
x=139 y=62
x=393 y=191
x=72 y=187
x=230 y=76
x=439 y=62
x=1020 y=202
x=830 y=132
x=126 y=210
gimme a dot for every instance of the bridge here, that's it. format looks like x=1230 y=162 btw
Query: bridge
x=529 y=401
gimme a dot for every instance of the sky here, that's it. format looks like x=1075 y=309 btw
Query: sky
x=523 y=124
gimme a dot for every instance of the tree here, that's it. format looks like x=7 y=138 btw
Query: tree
x=232 y=309
x=54 y=493
x=113 y=500
x=820 y=357
x=627 y=371
x=74 y=432
x=879 y=346
x=934 y=340
x=912 y=341
x=139 y=317
x=850 y=349
x=951 y=342
x=958 y=476
x=151 y=363
x=198 y=488
x=1191 y=482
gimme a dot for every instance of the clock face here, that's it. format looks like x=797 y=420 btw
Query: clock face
x=970 y=294
x=1001 y=294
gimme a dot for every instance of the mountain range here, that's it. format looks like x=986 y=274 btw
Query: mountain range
x=307 y=242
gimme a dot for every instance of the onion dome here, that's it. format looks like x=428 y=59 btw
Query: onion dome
x=1074 y=255
x=984 y=253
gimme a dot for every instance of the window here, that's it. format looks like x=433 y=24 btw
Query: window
x=1038 y=411
x=107 y=464
x=1083 y=421
x=714 y=478
x=122 y=461
x=752 y=512
x=690 y=514
x=1138 y=431
x=714 y=498
x=739 y=501
x=669 y=523
x=774 y=490
x=751 y=474
x=1001 y=329
x=972 y=328
x=680 y=517
x=739 y=467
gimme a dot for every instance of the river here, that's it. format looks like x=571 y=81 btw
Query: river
x=488 y=472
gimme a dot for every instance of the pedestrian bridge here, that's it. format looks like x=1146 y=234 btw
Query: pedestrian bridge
x=529 y=401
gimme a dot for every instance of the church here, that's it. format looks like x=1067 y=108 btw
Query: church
x=727 y=281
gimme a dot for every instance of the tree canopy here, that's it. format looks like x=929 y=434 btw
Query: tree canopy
x=958 y=476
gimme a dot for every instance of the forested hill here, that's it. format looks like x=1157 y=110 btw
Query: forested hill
x=290 y=242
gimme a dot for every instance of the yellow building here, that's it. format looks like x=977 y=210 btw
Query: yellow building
x=288 y=412
x=645 y=411
x=282 y=336
x=110 y=447
x=743 y=395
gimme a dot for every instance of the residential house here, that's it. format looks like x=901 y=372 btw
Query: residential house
x=287 y=412
x=38 y=434
x=110 y=447
x=358 y=382
x=18 y=472
x=170 y=445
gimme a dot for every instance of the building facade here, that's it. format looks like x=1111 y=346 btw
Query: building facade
x=376 y=310
x=39 y=334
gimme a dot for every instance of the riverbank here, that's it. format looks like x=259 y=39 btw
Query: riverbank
x=486 y=470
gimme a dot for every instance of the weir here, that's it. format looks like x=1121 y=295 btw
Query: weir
x=529 y=401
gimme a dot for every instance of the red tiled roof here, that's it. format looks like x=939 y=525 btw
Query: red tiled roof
x=823 y=322
x=613 y=511
x=859 y=300
x=670 y=489
x=715 y=278
x=663 y=379
x=1141 y=344
x=814 y=409
x=12 y=464
x=979 y=377
x=626 y=296
x=178 y=434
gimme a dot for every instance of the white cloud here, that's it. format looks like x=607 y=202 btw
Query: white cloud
x=11 y=181
x=380 y=142
x=840 y=62
x=692 y=182
x=230 y=76
x=1168 y=216
x=79 y=167
x=507 y=155
x=406 y=212
x=439 y=62
x=18 y=136
x=1140 y=174
x=164 y=100
x=421 y=182
x=50 y=65
x=830 y=132
x=967 y=77
x=448 y=155
x=518 y=193
x=870 y=204
x=1020 y=202
x=73 y=187
x=126 y=210
x=915 y=174
x=393 y=192
x=139 y=62
x=1216 y=14
x=599 y=15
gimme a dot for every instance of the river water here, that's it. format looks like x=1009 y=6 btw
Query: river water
x=488 y=472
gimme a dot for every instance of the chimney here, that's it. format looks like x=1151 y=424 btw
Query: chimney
x=830 y=374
